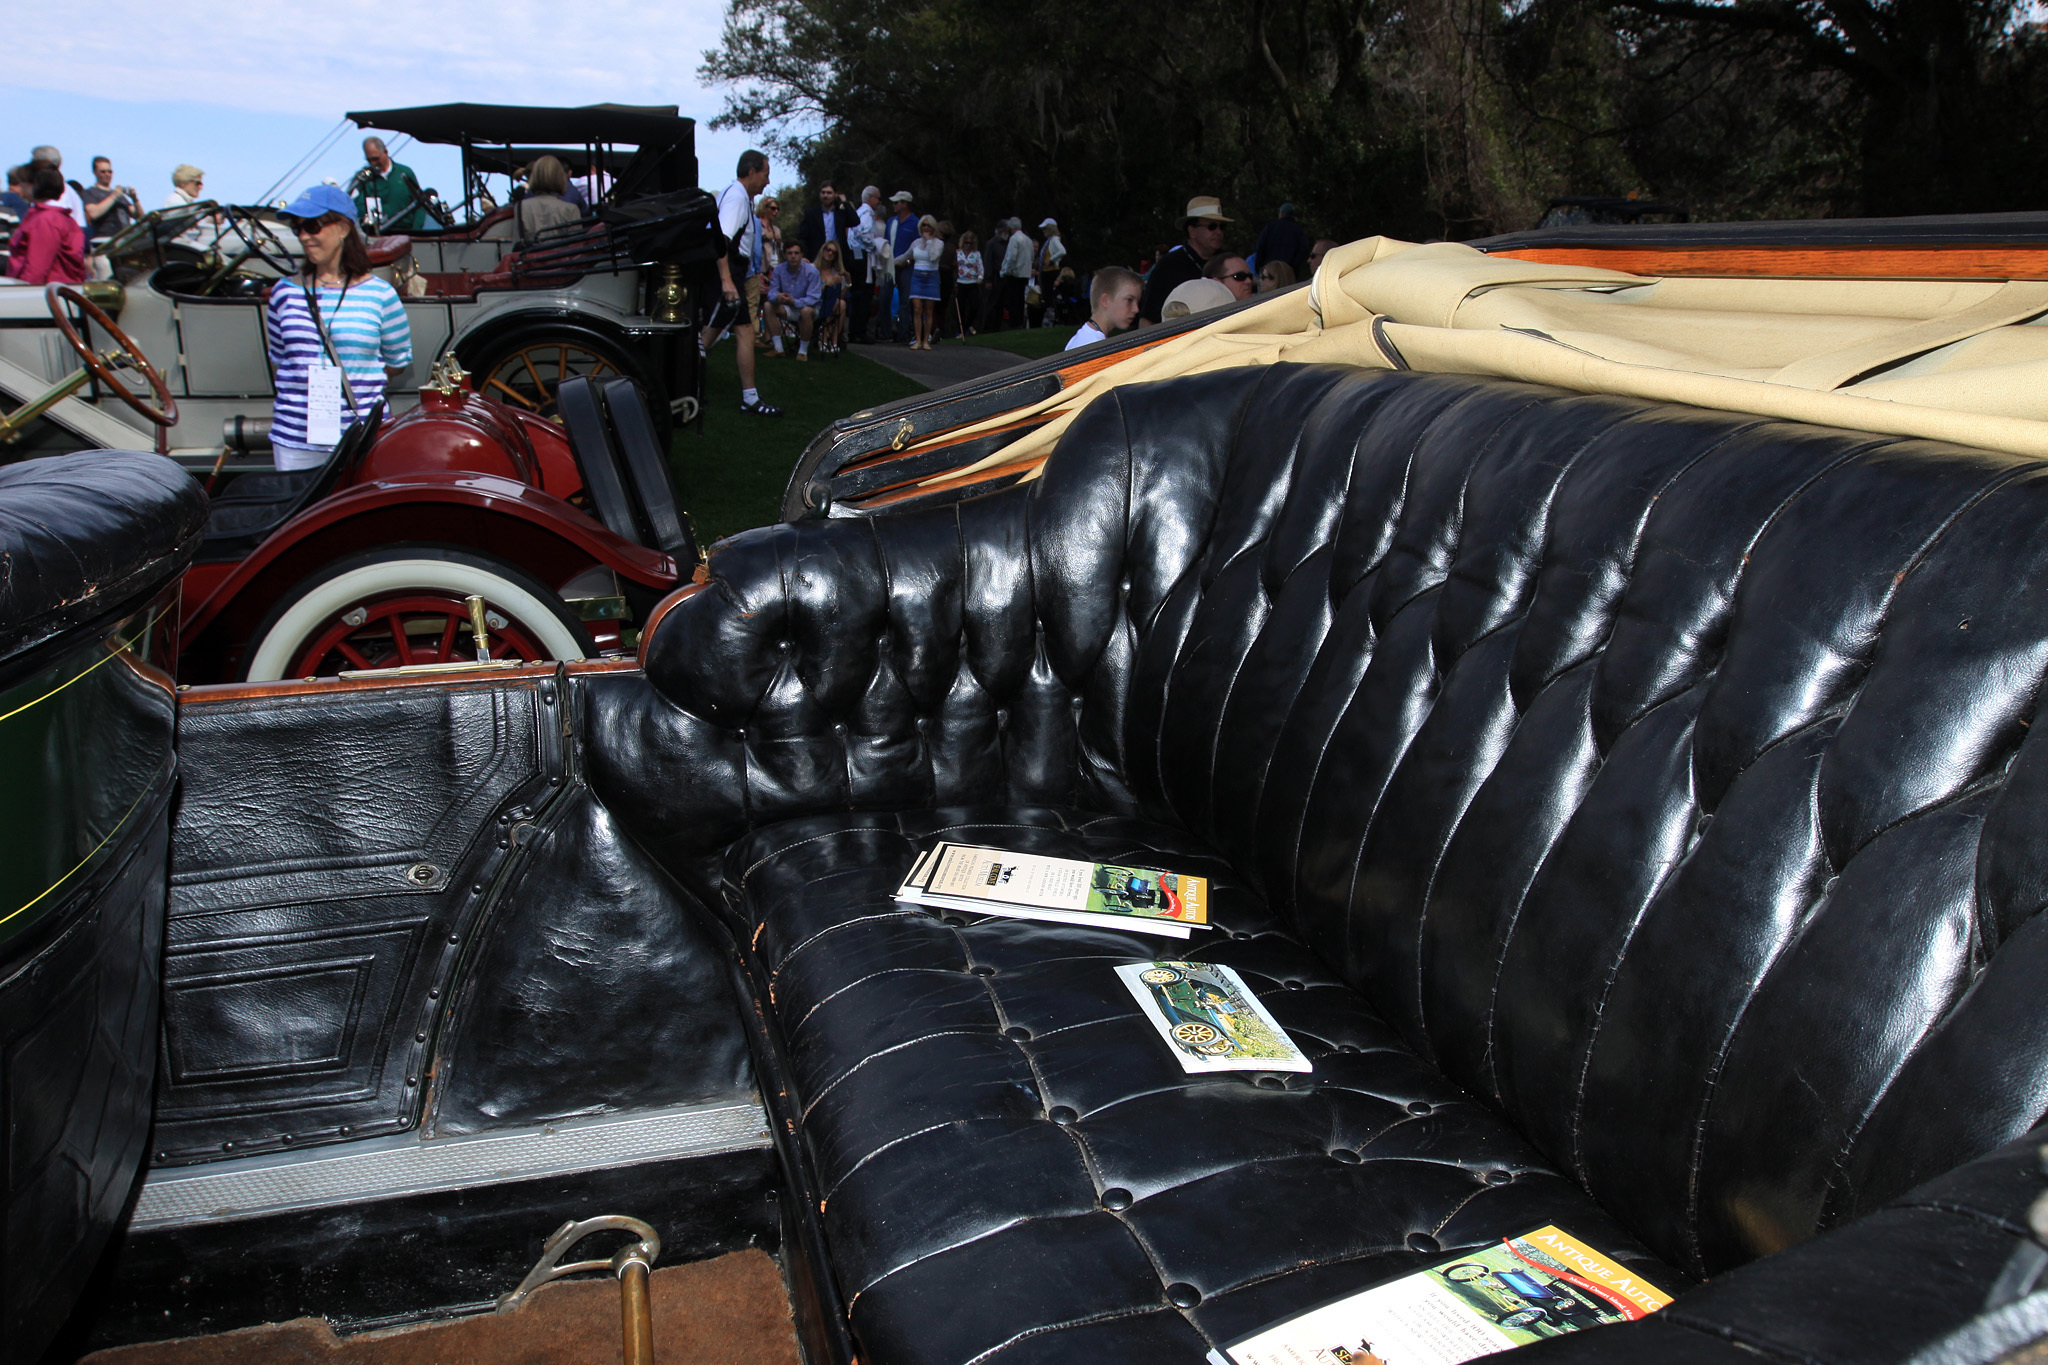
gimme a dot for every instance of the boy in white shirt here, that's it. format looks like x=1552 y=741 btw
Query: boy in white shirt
x=1113 y=295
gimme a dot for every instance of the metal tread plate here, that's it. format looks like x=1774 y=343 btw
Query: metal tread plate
x=394 y=1167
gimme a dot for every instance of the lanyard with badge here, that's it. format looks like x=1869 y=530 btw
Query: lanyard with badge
x=327 y=383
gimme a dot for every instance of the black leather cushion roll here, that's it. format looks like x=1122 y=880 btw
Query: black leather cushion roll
x=991 y=1122
x=81 y=534
x=1667 y=781
x=1872 y=1293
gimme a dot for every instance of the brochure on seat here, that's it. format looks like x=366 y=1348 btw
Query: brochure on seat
x=995 y=881
x=1542 y=1284
x=1210 y=1020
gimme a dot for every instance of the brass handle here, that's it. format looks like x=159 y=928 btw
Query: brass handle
x=636 y=1312
x=479 y=628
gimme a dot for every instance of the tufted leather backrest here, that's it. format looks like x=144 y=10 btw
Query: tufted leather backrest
x=1665 y=776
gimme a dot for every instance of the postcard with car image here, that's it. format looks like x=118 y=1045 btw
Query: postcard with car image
x=1542 y=1284
x=1209 y=1019
x=995 y=881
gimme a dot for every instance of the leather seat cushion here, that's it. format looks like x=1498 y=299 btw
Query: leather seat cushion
x=988 y=1120
x=82 y=534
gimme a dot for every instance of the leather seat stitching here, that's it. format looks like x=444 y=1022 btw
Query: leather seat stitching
x=1111 y=1316
x=1612 y=971
x=1724 y=1332
x=898 y=1141
x=795 y=1026
x=834 y=1083
x=874 y=918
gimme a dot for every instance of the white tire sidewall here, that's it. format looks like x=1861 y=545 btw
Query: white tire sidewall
x=326 y=600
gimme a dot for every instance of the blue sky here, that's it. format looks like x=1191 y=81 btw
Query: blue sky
x=155 y=84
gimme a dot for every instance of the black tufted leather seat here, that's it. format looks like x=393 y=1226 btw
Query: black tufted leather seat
x=1634 y=810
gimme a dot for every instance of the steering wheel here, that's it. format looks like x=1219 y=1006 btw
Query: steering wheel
x=127 y=355
x=260 y=241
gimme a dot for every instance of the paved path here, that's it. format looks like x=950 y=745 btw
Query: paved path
x=951 y=363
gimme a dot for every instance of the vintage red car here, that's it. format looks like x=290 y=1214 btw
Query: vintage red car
x=568 y=532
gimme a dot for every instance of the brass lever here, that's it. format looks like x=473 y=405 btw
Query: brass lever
x=633 y=1263
x=479 y=628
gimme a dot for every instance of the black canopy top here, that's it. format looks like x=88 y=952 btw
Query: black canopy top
x=641 y=125
x=505 y=160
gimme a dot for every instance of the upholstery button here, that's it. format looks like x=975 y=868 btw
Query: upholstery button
x=838 y=727
x=1347 y=1047
x=1062 y=1115
x=1347 y=1156
x=1424 y=1243
x=956 y=921
x=1420 y=1107
x=982 y=969
x=1116 y=1199
x=1240 y=934
x=1499 y=1177
x=1182 y=1294
x=1017 y=1034
x=1295 y=986
x=1271 y=1083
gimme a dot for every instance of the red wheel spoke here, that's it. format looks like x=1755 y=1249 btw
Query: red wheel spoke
x=362 y=646
x=515 y=395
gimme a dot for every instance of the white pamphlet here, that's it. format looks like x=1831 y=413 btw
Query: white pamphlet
x=323 y=404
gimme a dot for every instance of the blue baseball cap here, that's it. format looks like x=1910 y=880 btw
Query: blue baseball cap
x=321 y=199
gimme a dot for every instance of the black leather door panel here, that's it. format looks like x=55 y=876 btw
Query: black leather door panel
x=330 y=857
x=599 y=986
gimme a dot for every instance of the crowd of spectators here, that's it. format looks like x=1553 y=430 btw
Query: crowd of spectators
x=56 y=219
x=875 y=270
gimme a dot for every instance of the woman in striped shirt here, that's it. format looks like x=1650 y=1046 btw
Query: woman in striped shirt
x=364 y=322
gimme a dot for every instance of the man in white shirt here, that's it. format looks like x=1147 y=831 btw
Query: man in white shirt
x=1113 y=302
x=861 y=241
x=69 y=200
x=1016 y=273
x=743 y=247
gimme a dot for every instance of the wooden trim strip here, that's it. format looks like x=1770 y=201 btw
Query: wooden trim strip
x=206 y=694
x=905 y=492
x=1073 y=374
x=666 y=604
x=1832 y=262
x=937 y=441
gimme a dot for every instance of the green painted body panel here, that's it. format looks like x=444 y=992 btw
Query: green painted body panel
x=85 y=737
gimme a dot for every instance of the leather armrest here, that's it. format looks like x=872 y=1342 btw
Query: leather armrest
x=1874 y=1290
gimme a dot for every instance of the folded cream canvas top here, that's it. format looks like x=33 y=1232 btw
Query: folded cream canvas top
x=1952 y=360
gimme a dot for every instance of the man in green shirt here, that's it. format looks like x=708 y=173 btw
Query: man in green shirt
x=387 y=194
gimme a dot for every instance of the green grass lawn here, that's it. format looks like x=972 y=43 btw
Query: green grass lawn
x=1030 y=342
x=732 y=475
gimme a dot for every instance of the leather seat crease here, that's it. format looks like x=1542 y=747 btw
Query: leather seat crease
x=1645 y=797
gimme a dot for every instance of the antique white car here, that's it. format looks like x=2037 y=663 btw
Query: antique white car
x=609 y=296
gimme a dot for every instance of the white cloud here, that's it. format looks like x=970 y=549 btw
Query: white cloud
x=301 y=57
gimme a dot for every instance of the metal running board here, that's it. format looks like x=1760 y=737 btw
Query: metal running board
x=389 y=1168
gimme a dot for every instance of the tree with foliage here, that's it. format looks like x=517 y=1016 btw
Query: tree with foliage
x=1417 y=118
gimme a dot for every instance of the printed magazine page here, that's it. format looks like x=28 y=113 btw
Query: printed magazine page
x=1542 y=1284
x=1209 y=1019
x=997 y=881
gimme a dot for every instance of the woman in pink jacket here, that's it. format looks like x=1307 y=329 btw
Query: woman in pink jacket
x=49 y=244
